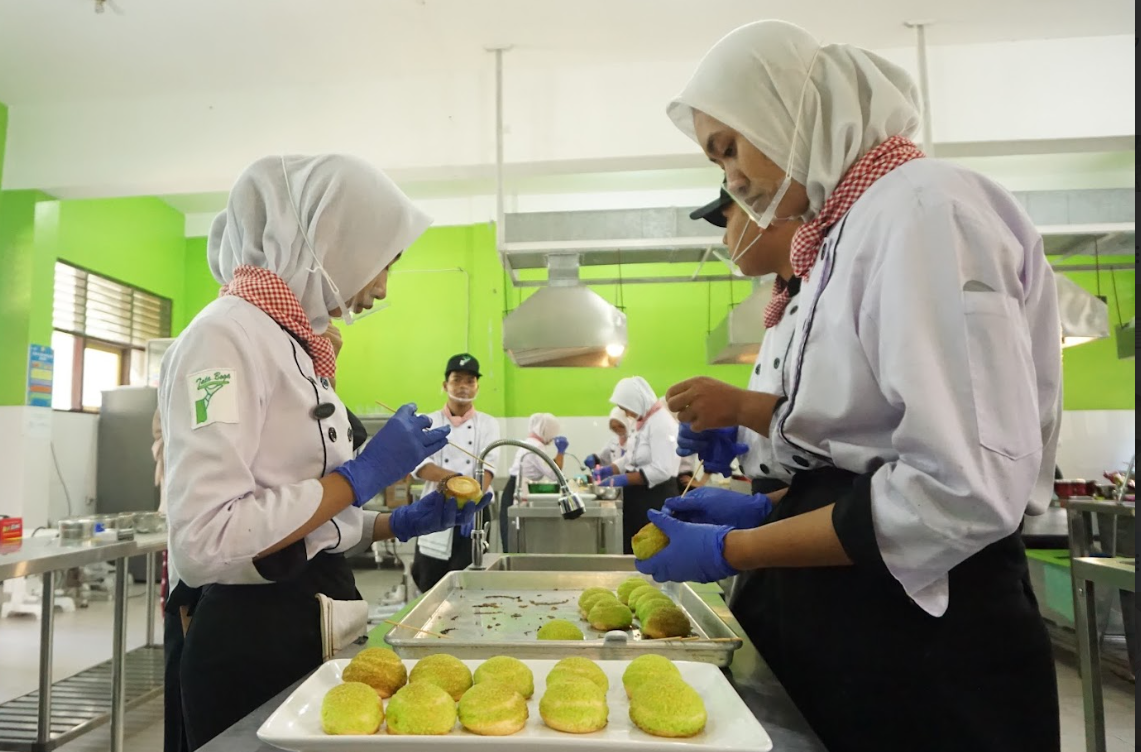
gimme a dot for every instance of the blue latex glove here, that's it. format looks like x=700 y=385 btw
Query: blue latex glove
x=591 y=462
x=469 y=513
x=716 y=447
x=604 y=471
x=393 y=452
x=561 y=444
x=617 y=481
x=430 y=514
x=696 y=553
x=720 y=506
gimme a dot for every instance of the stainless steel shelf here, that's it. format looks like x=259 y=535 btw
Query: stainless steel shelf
x=80 y=703
x=39 y=555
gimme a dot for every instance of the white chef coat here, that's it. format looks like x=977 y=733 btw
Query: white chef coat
x=243 y=474
x=474 y=435
x=654 y=449
x=927 y=352
x=769 y=375
x=529 y=468
x=612 y=452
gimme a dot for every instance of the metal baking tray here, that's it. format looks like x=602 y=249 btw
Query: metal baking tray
x=483 y=614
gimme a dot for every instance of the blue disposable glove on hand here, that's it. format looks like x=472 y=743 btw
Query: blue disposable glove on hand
x=469 y=512
x=720 y=506
x=561 y=444
x=716 y=447
x=617 y=481
x=393 y=452
x=591 y=462
x=430 y=514
x=696 y=553
x=604 y=471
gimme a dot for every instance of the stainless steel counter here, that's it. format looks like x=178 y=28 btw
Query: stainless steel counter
x=749 y=675
x=38 y=722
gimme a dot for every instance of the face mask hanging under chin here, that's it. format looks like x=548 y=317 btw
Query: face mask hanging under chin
x=461 y=400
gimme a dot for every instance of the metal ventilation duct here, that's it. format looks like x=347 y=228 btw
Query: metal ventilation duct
x=565 y=324
x=737 y=339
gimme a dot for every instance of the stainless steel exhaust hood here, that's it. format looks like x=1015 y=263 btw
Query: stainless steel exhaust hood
x=1085 y=317
x=565 y=324
x=737 y=339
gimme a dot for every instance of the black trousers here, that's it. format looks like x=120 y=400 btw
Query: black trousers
x=426 y=571
x=247 y=643
x=506 y=499
x=174 y=735
x=637 y=501
x=870 y=670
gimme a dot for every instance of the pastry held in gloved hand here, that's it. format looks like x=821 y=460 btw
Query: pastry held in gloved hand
x=716 y=447
x=648 y=541
x=720 y=506
x=696 y=553
x=394 y=452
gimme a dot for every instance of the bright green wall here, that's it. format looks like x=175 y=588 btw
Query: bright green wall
x=1094 y=379
x=199 y=287
x=18 y=260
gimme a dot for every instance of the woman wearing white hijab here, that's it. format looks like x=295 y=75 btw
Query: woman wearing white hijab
x=542 y=431
x=648 y=471
x=262 y=488
x=622 y=426
x=921 y=418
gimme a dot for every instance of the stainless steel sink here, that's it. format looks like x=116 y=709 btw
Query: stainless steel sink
x=559 y=563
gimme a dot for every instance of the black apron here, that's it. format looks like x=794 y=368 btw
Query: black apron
x=506 y=500
x=174 y=733
x=637 y=501
x=246 y=643
x=870 y=670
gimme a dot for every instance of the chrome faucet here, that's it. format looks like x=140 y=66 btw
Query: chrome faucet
x=570 y=505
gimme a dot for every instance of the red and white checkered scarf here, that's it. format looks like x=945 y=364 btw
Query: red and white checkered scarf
x=806 y=242
x=269 y=292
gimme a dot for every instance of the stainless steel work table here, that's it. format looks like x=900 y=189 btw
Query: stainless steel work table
x=56 y=713
x=749 y=674
x=1089 y=571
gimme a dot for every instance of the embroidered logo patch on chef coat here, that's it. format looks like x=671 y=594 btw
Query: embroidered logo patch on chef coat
x=213 y=396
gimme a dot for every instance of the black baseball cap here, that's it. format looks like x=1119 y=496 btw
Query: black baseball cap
x=462 y=362
x=714 y=211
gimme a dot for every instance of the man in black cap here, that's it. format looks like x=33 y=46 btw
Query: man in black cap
x=472 y=431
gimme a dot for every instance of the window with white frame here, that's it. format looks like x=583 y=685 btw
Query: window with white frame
x=100 y=329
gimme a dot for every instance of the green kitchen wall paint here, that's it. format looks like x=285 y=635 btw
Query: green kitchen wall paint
x=23 y=275
x=199 y=287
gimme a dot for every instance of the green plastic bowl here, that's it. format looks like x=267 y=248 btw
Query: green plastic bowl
x=543 y=488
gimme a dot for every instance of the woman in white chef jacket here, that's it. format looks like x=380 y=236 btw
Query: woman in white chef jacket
x=542 y=431
x=648 y=472
x=473 y=431
x=262 y=488
x=622 y=426
x=921 y=415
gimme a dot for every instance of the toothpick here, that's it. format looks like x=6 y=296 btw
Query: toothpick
x=459 y=448
x=416 y=629
x=693 y=476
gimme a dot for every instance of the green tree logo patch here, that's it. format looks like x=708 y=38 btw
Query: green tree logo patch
x=213 y=396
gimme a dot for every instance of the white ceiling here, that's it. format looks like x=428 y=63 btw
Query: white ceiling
x=60 y=50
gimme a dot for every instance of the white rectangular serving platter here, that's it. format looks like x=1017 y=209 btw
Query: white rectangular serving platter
x=296 y=724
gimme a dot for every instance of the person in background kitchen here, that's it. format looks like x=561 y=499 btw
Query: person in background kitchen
x=622 y=426
x=263 y=489
x=648 y=471
x=921 y=413
x=542 y=431
x=472 y=431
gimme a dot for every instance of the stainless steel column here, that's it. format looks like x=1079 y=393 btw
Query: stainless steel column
x=119 y=658
x=47 y=622
x=152 y=596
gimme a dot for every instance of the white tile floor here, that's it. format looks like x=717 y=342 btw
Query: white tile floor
x=83 y=639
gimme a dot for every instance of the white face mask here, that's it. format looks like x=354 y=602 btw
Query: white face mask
x=457 y=398
x=762 y=210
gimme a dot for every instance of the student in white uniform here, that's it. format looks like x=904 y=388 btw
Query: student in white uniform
x=648 y=472
x=263 y=491
x=622 y=426
x=473 y=431
x=921 y=416
x=542 y=431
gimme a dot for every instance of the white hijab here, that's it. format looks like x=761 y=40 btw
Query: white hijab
x=752 y=81
x=356 y=218
x=544 y=426
x=634 y=394
x=619 y=415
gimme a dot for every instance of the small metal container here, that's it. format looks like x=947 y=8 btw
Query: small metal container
x=76 y=531
x=150 y=522
x=125 y=526
x=605 y=493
